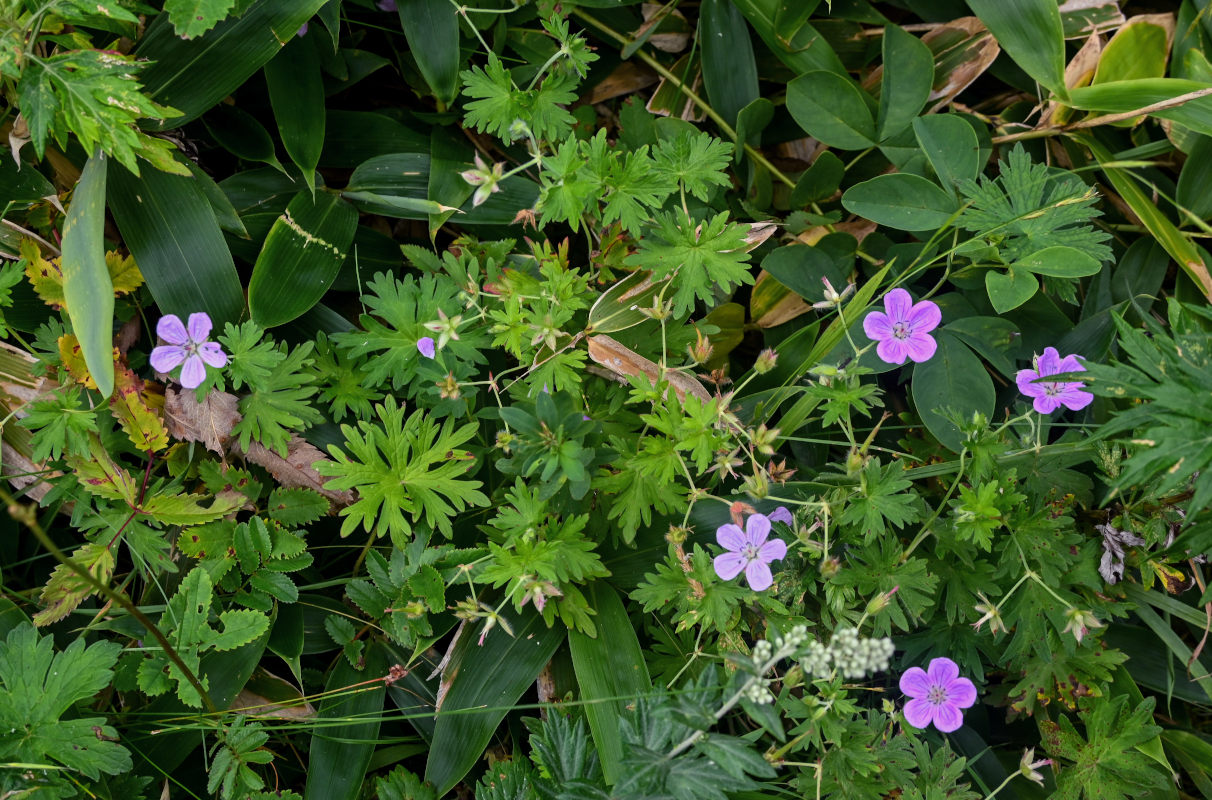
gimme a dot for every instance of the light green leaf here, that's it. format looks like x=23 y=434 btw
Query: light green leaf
x=1059 y=262
x=87 y=289
x=192 y=18
x=1009 y=290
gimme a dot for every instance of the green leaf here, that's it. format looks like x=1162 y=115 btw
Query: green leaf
x=1059 y=262
x=729 y=70
x=1010 y=289
x=87 y=289
x=194 y=74
x=1139 y=49
x=1129 y=95
x=1195 y=178
x=485 y=679
x=829 y=107
x=301 y=257
x=905 y=85
x=341 y=748
x=192 y=18
x=954 y=378
x=241 y=134
x=950 y=146
x=1030 y=32
x=789 y=35
x=38 y=686
x=296 y=94
x=902 y=201
x=1107 y=765
x=171 y=230
x=432 y=30
x=610 y=670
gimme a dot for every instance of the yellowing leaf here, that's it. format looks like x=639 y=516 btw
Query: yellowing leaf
x=66 y=589
x=99 y=475
x=131 y=408
x=45 y=276
x=123 y=272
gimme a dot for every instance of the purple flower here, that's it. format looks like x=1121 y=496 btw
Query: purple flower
x=781 y=514
x=425 y=346
x=188 y=346
x=902 y=331
x=748 y=550
x=302 y=30
x=386 y=5
x=938 y=693
x=1050 y=395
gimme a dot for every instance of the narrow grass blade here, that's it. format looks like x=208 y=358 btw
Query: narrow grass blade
x=347 y=728
x=87 y=289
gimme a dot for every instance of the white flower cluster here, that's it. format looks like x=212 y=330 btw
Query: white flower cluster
x=758 y=694
x=848 y=653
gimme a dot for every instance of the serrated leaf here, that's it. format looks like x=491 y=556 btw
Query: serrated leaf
x=99 y=475
x=428 y=585
x=239 y=628
x=294 y=507
x=66 y=589
x=187 y=509
x=130 y=408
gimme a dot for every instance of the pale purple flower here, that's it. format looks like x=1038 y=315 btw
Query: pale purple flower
x=1051 y=395
x=903 y=331
x=748 y=551
x=781 y=514
x=386 y=5
x=938 y=695
x=187 y=345
x=425 y=346
x=302 y=30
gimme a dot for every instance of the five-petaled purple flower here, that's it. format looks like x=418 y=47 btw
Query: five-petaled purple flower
x=938 y=693
x=748 y=551
x=187 y=345
x=425 y=346
x=1050 y=395
x=903 y=331
x=781 y=514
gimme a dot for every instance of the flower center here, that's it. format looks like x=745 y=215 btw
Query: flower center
x=750 y=552
x=937 y=695
x=901 y=330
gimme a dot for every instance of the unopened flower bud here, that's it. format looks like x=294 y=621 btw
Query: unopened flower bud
x=829 y=567
x=764 y=438
x=766 y=361
x=677 y=535
x=880 y=601
x=701 y=350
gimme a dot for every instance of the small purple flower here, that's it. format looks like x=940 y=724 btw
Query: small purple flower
x=188 y=346
x=1050 y=395
x=902 y=331
x=938 y=693
x=749 y=551
x=781 y=514
x=302 y=30
x=425 y=346
x=386 y=5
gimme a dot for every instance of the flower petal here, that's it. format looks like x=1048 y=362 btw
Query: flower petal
x=213 y=354
x=1074 y=398
x=781 y=514
x=1049 y=362
x=892 y=351
x=170 y=329
x=897 y=303
x=947 y=718
x=1024 y=378
x=1046 y=405
x=199 y=327
x=920 y=347
x=918 y=713
x=193 y=373
x=877 y=326
x=425 y=346
x=961 y=693
x=773 y=550
x=1070 y=364
x=925 y=316
x=915 y=683
x=758 y=575
x=757 y=528
x=730 y=537
x=729 y=565
x=942 y=670
x=167 y=357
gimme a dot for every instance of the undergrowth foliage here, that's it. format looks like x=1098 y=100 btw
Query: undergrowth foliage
x=603 y=400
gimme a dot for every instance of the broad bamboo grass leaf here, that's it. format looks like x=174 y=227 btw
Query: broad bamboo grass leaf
x=610 y=672
x=350 y=715
x=1030 y=32
x=729 y=70
x=432 y=30
x=296 y=94
x=193 y=75
x=170 y=227
x=791 y=38
x=87 y=290
x=485 y=681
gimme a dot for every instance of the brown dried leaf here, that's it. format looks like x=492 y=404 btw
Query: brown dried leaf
x=297 y=469
x=624 y=361
x=675 y=29
x=627 y=78
x=1078 y=72
x=963 y=49
x=209 y=422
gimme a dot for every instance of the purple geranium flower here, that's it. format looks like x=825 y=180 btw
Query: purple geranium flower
x=749 y=551
x=425 y=346
x=386 y=5
x=781 y=514
x=938 y=693
x=902 y=331
x=1050 y=395
x=188 y=346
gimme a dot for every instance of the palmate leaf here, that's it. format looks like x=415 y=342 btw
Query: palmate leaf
x=706 y=258
x=38 y=685
x=402 y=468
x=96 y=96
x=499 y=103
x=696 y=160
x=1106 y=764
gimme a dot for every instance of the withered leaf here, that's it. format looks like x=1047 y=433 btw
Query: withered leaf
x=297 y=468
x=624 y=361
x=209 y=422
